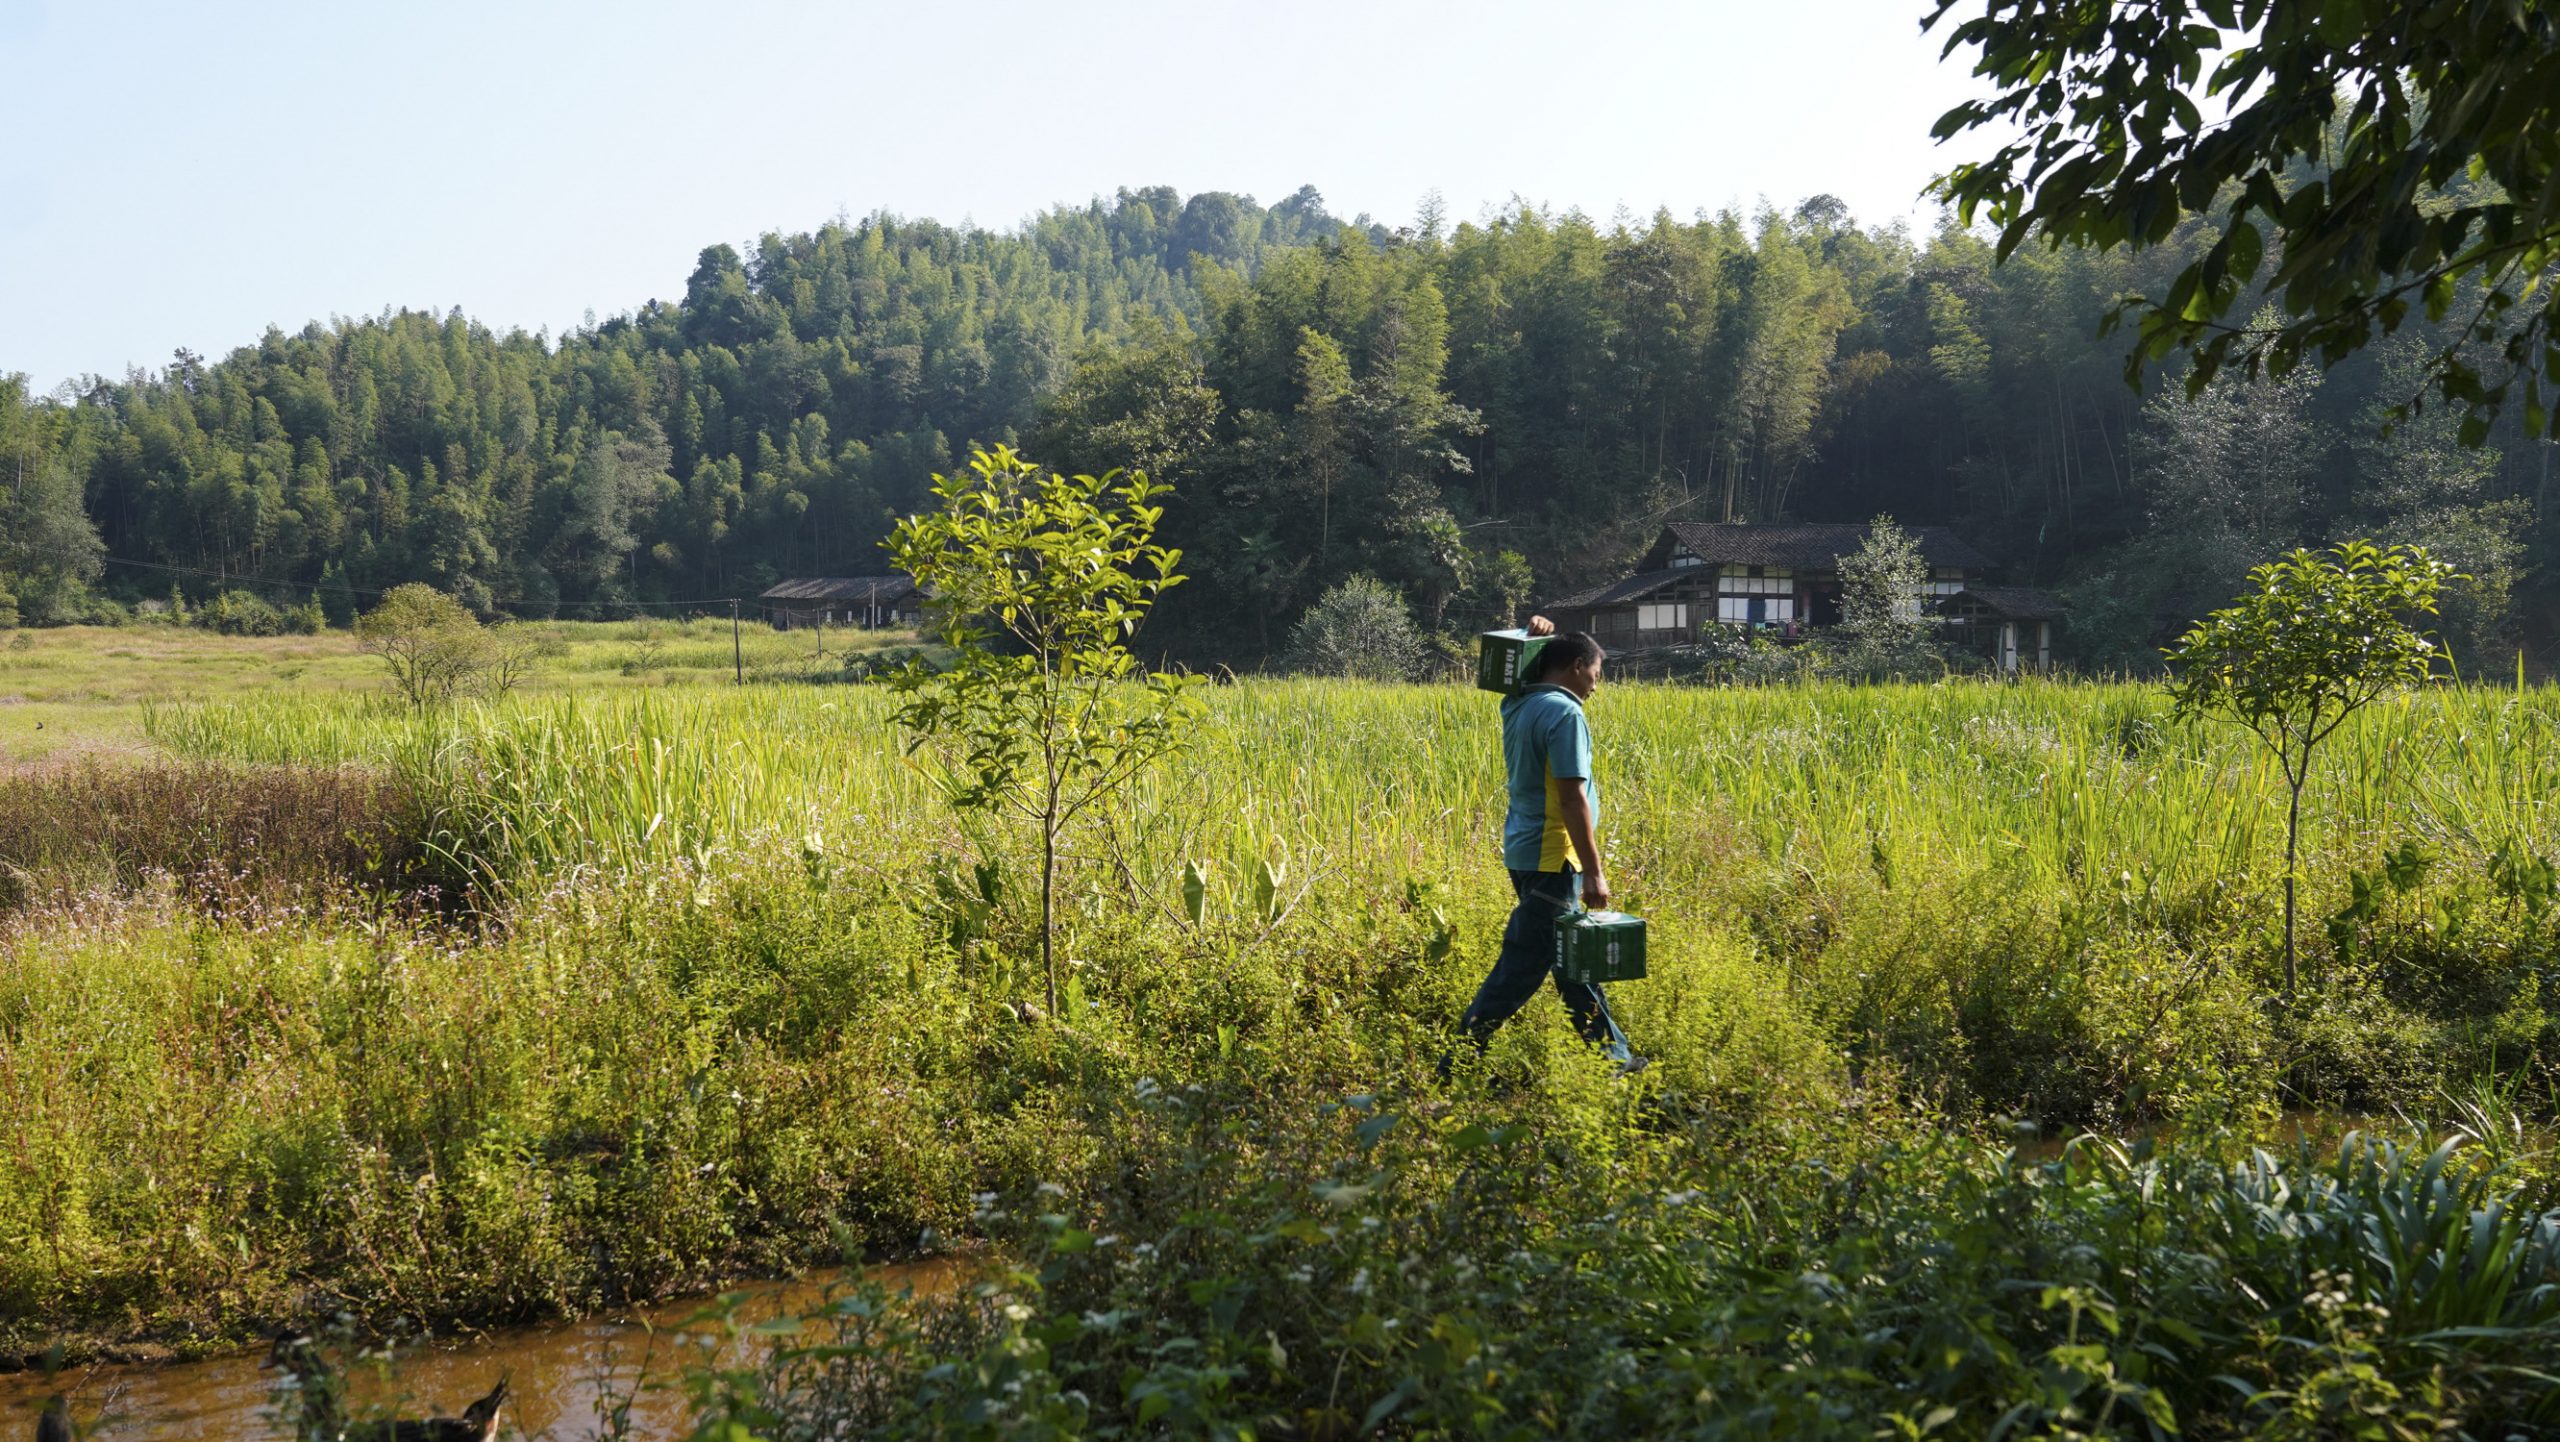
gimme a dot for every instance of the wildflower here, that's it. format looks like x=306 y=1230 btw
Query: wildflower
x=1016 y=1312
x=1050 y=1189
x=1360 y=1283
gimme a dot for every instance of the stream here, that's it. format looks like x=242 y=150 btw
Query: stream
x=560 y=1376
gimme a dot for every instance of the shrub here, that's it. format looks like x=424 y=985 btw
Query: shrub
x=1360 y=630
x=239 y=613
x=436 y=650
x=1341 y=1269
x=1881 y=615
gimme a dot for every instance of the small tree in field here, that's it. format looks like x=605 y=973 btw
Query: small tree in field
x=2320 y=635
x=1359 y=629
x=1880 y=588
x=437 y=650
x=430 y=641
x=1037 y=582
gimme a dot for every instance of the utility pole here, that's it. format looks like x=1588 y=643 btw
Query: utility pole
x=737 y=655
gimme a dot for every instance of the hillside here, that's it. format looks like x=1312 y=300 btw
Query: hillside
x=1478 y=414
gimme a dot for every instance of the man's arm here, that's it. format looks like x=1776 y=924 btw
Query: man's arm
x=1573 y=805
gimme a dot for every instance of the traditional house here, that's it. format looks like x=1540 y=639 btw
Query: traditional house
x=872 y=601
x=1779 y=578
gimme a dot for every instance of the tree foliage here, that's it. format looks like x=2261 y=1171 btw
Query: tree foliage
x=1477 y=415
x=2365 y=161
x=49 y=550
x=1038 y=579
x=1358 y=630
x=1881 y=586
x=2318 y=637
x=435 y=649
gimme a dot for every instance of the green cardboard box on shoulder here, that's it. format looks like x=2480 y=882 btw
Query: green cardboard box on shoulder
x=1503 y=657
x=1600 y=946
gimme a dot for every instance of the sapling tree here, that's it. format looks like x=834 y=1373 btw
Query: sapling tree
x=1038 y=581
x=2317 y=637
x=1880 y=599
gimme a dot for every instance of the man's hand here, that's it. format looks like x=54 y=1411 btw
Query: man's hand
x=1595 y=892
x=1541 y=626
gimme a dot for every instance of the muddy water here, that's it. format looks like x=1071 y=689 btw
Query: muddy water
x=560 y=1377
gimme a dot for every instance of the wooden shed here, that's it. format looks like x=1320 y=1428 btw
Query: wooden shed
x=872 y=601
x=2011 y=624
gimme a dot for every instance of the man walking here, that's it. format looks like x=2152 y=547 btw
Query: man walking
x=1552 y=826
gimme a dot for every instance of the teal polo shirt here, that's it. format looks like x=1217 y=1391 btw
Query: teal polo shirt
x=1544 y=740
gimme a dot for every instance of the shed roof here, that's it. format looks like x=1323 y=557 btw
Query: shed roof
x=2010 y=603
x=1617 y=593
x=871 y=590
x=1810 y=547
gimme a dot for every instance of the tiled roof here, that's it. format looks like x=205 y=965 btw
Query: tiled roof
x=1633 y=588
x=1812 y=547
x=870 y=590
x=2011 y=603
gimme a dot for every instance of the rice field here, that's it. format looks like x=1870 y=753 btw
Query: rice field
x=2043 y=899
x=2081 y=794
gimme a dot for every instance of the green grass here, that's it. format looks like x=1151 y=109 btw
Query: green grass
x=2043 y=897
x=81 y=689
x=743 y=994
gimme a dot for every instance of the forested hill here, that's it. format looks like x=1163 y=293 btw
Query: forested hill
x=1476 y=414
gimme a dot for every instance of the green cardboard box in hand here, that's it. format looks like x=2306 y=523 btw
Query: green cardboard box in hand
x=1503 y=657
x=1599 y=946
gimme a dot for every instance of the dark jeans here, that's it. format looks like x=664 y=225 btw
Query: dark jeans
x=1528 y=957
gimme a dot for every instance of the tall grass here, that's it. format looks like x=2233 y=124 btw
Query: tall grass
x=2071 y=784
x=745 y=992
x=2046 y=892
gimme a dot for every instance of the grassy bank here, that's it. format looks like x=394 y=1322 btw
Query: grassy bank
x=740 y=995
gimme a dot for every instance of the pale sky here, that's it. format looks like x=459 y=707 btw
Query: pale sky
x=188 y=174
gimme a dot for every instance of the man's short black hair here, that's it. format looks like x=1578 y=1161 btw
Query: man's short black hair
x=1563 y=653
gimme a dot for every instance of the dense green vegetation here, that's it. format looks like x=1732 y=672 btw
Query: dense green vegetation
x=2371 y=164
x=737 y=994
x=1472 y=413
x=1341 y=1266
